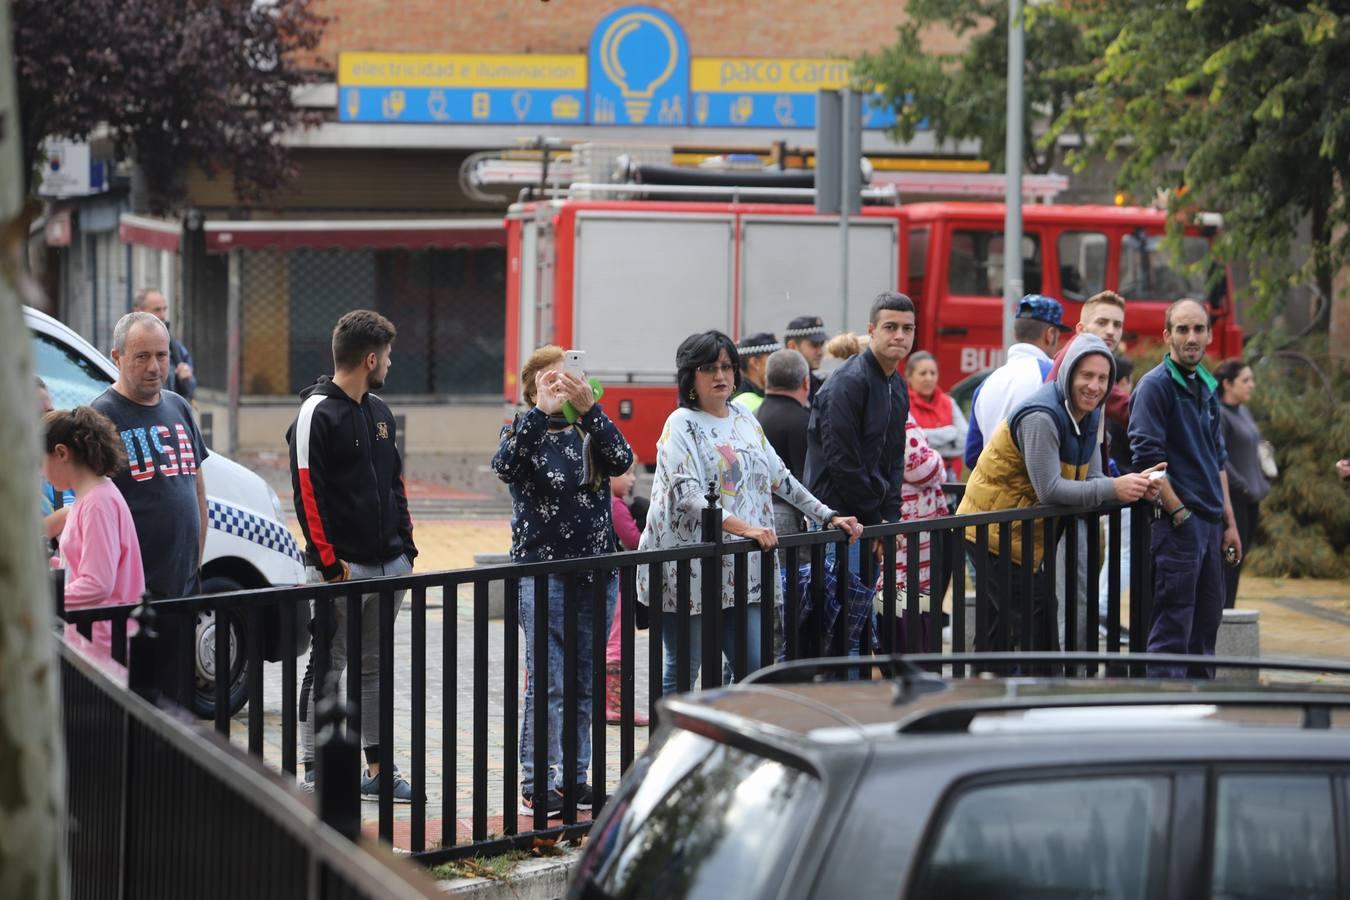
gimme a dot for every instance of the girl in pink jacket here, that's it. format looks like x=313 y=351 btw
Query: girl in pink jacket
x=99 y=549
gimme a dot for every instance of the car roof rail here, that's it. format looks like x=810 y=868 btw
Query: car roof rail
x=957 y=716
x=909 y=679
x=798 y=670
x=1053 y=659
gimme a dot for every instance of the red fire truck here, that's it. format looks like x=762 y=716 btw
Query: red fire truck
x=627 y=280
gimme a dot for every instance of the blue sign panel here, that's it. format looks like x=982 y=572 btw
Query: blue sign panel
x=476 y=106
x=639 y=69
x=759 y=110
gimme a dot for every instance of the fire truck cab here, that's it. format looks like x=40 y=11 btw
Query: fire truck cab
x=954 y=273
x=627 y=279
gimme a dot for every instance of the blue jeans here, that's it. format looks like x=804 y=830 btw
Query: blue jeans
x=670 y=671
x=854 y=556
x=556 y=684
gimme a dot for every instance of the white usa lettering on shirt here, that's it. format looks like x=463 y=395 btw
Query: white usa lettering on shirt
x=151 y=450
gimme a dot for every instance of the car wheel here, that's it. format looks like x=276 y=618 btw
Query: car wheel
x=204 y=654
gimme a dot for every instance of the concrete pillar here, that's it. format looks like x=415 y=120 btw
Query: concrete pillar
x=496 y=589
x=1240 y=636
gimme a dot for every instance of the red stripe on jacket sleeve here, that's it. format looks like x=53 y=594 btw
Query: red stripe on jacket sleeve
x=316 y=533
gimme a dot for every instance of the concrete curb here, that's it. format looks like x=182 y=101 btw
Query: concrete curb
x=544 y=878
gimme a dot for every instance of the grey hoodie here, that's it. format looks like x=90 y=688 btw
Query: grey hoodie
x=1037 y=434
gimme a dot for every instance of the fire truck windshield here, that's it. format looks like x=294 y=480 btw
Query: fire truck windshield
x=1149 y=272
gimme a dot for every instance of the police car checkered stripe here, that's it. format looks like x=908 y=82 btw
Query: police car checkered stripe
x=244 y=524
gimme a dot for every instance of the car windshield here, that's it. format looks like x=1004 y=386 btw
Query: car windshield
x=703 y=817
x=71 y=379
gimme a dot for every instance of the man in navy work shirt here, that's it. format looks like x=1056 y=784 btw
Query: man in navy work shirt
x=1174 y=418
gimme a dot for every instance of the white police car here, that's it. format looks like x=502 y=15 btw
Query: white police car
x=247 y=546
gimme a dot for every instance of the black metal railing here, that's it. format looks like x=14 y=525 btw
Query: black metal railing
x=157 y=809
x=814 y=621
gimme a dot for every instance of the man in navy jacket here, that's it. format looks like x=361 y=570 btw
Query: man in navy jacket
x=855 y=443
x=1174 y=418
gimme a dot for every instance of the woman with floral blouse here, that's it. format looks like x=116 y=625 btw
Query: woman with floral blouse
x=710 y=439
x=558 y=469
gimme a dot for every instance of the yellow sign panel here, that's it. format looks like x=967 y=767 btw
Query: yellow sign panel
x=766 y=75
x=462 y=70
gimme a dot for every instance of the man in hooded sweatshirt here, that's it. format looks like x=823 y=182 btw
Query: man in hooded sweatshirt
x=1045 y=453
x=348 y=479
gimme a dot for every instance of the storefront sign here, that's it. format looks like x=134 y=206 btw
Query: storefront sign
x=639 y=68
x=762 y=92
x=638 y=72
x=484 y=88
x=68 y=170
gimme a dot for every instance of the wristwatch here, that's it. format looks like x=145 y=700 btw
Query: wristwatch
x=1185 y=514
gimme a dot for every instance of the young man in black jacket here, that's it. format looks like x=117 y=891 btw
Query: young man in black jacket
x=348 y=480
x=855 y=449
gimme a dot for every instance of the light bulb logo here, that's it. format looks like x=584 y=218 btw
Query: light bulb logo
x=636 y=73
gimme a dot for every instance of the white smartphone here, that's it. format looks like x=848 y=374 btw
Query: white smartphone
x=574 y=361
x=1157 y=476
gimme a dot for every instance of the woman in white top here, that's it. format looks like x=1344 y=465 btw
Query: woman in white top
x=711 y=439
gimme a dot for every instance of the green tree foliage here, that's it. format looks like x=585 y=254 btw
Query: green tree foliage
x=1242 y=102
x=963 y=95
x=173 y=82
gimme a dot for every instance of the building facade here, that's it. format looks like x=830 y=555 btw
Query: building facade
x=379 y=216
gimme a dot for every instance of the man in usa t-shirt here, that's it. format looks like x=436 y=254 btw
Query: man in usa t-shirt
x=162 y=484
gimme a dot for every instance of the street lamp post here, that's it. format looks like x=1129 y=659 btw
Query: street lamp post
x=1012 y=216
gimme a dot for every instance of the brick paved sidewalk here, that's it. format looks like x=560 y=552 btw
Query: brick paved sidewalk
x=452 y=782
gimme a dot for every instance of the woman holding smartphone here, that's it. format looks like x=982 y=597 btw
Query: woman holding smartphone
x=558 y=466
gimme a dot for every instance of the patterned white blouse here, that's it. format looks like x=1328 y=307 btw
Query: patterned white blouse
x=695 y=449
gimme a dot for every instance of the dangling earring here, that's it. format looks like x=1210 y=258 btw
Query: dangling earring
x=692 y=395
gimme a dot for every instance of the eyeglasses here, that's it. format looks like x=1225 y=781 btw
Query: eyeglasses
x=716 y=368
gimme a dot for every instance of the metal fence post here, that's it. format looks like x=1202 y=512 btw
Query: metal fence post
x=234 y=346
x=338 y=760
x=711 y=574
x=141 y=664
x=59 y=592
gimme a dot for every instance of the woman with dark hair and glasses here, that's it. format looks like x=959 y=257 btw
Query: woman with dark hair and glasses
x=712 y=439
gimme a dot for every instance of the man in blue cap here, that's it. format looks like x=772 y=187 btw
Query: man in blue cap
x=1039 y=323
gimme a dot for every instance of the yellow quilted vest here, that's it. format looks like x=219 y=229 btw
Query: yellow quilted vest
x=999 y=482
